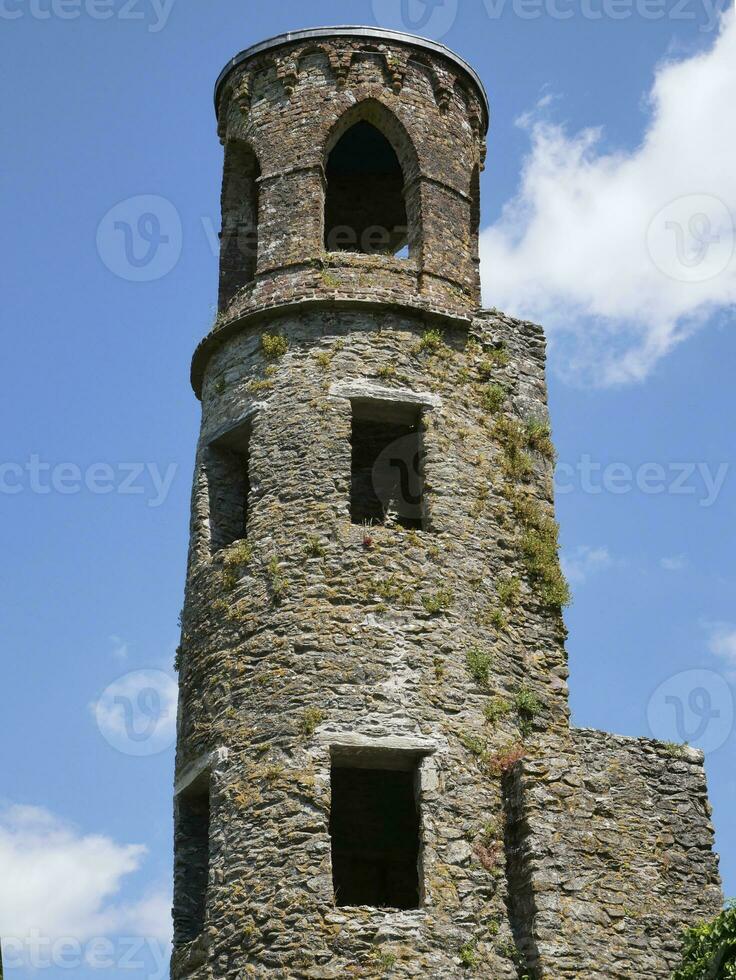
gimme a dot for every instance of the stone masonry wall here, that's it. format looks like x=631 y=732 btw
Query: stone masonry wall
x=613 y=848
x=307 y=638
x=290 y=106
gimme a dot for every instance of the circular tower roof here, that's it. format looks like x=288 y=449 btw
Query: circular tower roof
x=314 y=33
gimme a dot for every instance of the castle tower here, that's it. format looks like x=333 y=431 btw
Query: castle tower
x=376 y=775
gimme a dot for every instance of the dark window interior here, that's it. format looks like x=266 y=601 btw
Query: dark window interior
x=365 y=209
x=228 y=463
x=387 y=464
x=374 y=826
x=191 y=869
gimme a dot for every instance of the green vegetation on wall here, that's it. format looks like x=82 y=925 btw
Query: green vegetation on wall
x=710 y=949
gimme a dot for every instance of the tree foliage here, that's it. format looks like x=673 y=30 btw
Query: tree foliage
x=710 y=949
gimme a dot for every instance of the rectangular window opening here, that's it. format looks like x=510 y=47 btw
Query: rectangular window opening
x=375 y=834
x=228 y=477
x=387 y=468
x=192 y=863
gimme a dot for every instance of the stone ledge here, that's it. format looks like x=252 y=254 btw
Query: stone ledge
x=252 y=318
x=207 y=763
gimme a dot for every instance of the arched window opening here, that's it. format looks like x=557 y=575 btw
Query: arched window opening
x=365 y=207
x=239 y=236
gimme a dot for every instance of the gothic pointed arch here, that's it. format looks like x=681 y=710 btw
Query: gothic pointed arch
x=372 y=196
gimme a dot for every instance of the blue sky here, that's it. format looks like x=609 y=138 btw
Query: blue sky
x=610 y=133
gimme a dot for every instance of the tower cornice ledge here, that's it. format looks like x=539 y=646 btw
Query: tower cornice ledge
x=354 y=31
x=433 y=315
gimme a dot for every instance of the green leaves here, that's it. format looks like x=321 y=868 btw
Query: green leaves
x=709 y=951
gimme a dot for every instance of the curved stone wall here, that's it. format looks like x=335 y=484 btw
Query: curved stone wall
x=287 y=106
x=312 y=626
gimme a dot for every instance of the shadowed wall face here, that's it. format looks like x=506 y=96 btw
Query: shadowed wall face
x=191 y=869
x=239 y=237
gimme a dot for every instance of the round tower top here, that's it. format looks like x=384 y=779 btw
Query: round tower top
x=376 y=33
x=351 y=175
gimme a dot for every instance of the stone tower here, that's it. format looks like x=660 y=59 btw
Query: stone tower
x=376 y=773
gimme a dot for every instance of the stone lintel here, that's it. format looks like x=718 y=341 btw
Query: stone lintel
x=201 y=767
x=388 y=752
x=228 y=435
x=365 y=390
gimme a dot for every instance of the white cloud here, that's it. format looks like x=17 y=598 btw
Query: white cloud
x=151 y=916
x=674 y=564
x=722 y=641
x=594 y=248
x=57 y=883
x=584 y=562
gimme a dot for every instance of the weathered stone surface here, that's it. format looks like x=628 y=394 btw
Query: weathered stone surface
x=613 y=840
x=316 y=638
